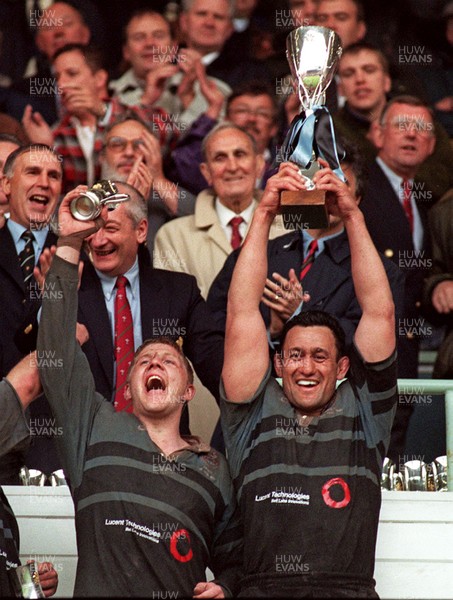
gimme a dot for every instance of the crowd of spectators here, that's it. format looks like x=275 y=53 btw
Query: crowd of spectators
x=185 y=105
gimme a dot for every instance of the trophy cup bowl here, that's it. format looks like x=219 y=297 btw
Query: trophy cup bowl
x=388 y=470
x=313 y=54
x=439 y=469
x=415 y=476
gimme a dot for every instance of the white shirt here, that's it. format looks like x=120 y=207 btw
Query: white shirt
x=225 y=215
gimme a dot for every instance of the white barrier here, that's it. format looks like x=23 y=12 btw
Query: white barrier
x=414 y=557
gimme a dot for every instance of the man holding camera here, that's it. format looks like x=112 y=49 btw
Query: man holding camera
x=161 y=506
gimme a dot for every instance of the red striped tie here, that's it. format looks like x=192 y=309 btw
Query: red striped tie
x=124 y=343
x=309 y=259
x=407 y=206
x=236 y=237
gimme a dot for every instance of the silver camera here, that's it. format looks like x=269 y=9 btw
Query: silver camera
x=88 y=205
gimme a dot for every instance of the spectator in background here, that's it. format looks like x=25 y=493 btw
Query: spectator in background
x=8 y=143
x=395 y=213
x=131 y=153
x=202 y=242
x=347 y=19
x=32 y=184
x=364 y=81
x=251 y=106
x=78 y=136
x=158 y=74
x=161 y=302
x=60 y=24
x=438 y=286
x=303 y=12
x=206 y=25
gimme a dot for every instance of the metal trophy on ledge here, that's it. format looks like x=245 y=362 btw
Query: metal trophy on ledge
x=313 y=54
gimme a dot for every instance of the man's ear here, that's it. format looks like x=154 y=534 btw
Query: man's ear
x=127 y=391
x=142 y=230
x=6 y=186
x=189 y=393
x=342 y=367
x=101 y=77
x=205 y=171
x=278 y=363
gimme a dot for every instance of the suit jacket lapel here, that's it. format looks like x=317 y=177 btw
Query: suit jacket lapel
x=94 y=313
x=322 y=280
x=152 y=301
x=8 y=258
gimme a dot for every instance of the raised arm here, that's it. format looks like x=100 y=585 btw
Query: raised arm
x=375 y=334
x=246 y=346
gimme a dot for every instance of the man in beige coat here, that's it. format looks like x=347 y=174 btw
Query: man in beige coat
x=200 y=243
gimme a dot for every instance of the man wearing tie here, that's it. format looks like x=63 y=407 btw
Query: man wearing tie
x=315 y=261
x=123 y=301
x=395 y=215
x=32 y=184
x=199 y=244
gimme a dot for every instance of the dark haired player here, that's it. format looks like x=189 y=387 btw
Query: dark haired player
x=306 y=459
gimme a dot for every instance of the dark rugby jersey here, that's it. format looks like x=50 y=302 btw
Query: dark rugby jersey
x=146 y=525
x=310 y=494
x=9 y=544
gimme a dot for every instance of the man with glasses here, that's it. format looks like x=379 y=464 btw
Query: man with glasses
x=82 y=82
x=132 y=153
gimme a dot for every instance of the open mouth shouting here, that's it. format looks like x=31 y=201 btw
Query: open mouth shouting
x=155 y=383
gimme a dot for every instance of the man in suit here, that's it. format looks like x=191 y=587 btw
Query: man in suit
x=32 y=184
x=206 y=26
x=161 y=303
x=364 y=82
x=395 y=215
x=252 y=106
x=328 y=280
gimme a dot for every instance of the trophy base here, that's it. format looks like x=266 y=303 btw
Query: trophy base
x=304 y=210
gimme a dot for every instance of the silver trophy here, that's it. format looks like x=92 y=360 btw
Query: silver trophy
x=439 y=470
x=313 y=54
x=88 y=205
x=415 y=476
x=387 y=476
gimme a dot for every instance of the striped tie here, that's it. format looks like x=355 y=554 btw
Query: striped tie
x=124 y=343
x=309 y=259
x=27 y=256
